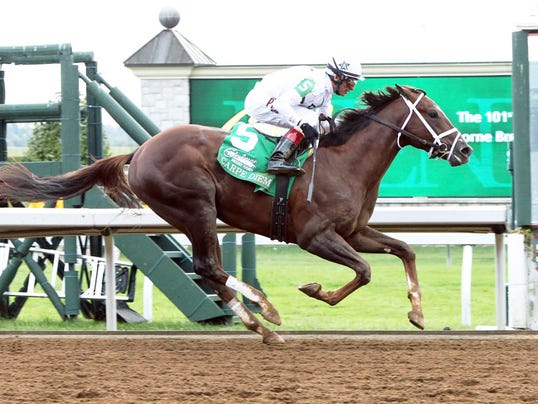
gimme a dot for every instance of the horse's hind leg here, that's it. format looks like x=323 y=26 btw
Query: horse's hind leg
x=268 y=312
x=200 y=228
x=183 y=194
x=373 y=241
x=205 y=265
x=246 y=316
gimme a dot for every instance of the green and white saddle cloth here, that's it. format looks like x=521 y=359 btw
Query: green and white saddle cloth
x=244 y=154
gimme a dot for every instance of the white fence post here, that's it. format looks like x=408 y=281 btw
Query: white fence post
x=110 y=285
x=466 y=275
x=500 y=268
x=532 y=265
x=148 y=299
x=517 y=281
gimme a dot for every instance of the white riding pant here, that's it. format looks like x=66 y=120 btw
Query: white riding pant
x=256 y=107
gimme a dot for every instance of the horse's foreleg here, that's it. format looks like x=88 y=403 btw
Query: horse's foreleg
x=332 y=247
x=373 y=241
x=331 y=297
x=245 y=315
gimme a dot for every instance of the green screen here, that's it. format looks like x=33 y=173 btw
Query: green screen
x=480 y=107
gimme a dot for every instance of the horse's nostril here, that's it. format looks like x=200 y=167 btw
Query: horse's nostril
x=466 y=151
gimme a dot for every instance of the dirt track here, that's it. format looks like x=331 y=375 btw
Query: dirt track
x=240 y=369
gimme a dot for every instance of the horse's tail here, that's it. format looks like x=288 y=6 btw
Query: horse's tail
x=18 y=184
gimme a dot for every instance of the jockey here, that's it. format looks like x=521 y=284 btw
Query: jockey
x=295 y=98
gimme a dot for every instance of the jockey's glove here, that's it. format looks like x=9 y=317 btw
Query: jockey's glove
x=309 y=132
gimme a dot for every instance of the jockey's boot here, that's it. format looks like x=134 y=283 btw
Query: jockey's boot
x=284 y=149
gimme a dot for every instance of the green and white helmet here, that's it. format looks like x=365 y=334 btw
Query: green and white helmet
x=345 y=68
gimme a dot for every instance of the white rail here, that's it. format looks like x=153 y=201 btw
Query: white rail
x=18 y=222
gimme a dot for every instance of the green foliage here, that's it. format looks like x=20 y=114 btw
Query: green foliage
x=46 y=143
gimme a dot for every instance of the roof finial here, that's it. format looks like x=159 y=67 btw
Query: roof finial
x=169 y=17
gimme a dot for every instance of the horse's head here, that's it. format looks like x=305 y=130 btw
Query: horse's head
x=427 y=127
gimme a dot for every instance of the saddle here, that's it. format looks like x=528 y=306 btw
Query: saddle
x=244 y=154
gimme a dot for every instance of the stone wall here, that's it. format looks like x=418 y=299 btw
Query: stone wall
x=166 y=101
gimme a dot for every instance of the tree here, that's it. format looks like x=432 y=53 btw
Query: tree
x=46 y=145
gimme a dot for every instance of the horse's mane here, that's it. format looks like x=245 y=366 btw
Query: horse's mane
x=350 y=120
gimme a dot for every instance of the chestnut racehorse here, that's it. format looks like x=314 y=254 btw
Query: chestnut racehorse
x=177 y=175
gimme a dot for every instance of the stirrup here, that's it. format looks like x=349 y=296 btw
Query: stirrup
x=281 y=167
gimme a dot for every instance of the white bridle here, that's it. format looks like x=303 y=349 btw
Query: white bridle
x=436 y=137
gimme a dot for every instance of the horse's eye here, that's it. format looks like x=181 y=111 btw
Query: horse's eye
x=433 y=113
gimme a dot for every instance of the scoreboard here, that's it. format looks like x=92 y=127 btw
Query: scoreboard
x=480 y=106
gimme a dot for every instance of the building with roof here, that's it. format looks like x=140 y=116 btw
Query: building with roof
x=164 y=65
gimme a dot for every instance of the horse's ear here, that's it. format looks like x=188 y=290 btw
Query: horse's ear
x=399 y=88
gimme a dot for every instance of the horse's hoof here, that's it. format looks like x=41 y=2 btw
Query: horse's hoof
x=272 y=338
x=271 y=314
x=311 y=289
x=416 y=318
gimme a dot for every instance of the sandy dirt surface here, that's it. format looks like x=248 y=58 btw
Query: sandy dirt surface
x=240 y=369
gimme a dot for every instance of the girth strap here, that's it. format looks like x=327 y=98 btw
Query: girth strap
x=280 y=208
